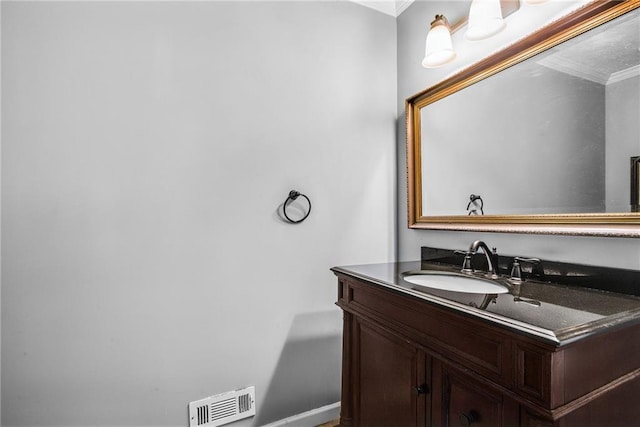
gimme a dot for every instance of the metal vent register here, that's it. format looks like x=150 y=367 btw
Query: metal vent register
x=223 y=408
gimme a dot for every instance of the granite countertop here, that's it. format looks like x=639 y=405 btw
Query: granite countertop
x=549 y=312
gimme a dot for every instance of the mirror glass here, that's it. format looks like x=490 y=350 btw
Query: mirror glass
x=553 y=135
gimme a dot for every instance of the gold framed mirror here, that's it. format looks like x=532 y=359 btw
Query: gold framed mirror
x=484 y=155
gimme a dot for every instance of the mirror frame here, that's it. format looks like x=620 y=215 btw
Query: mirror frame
x=597 y=224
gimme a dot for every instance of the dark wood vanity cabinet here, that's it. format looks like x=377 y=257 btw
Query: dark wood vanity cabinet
x=411 y=362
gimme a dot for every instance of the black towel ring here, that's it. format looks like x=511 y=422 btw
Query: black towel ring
x=293 y=195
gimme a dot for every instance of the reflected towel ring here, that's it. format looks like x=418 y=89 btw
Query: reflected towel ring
x=293 y=195
x=472 y=200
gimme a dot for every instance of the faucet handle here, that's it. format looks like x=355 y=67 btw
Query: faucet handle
x=516 y=271
x=466 y=264
x=529 y=260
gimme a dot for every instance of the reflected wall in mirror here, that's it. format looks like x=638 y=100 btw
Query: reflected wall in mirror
x=539 y=134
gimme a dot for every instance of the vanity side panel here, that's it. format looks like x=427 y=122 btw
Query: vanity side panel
x=619 y=407
x=594 y=362
x=347 y=392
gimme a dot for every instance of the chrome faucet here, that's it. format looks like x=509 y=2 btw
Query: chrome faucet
x=491 y=255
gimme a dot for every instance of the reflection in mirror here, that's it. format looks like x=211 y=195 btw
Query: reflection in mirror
x=635 y=184
x=549 y=137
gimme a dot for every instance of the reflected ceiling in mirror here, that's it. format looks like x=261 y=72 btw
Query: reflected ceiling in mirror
x=538 y=138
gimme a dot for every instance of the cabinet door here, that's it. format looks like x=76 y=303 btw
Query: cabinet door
x=390 y=379
x=461 y=401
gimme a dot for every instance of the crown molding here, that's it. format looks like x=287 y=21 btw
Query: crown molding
x=624 y=74
x=573 y=68
x=388 y=7
x=402 y=5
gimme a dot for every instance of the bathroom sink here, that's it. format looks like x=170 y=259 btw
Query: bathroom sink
x=454 y=282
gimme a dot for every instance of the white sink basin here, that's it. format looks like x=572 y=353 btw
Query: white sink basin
x=456 y=283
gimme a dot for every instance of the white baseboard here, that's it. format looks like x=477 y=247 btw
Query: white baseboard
x=310 y=418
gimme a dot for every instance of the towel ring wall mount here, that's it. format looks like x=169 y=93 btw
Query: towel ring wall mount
x=293 y=195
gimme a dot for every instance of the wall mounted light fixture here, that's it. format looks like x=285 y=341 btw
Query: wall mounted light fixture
x=486 y=18
x=439 y=47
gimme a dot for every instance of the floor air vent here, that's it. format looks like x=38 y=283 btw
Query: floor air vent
x=223 y=408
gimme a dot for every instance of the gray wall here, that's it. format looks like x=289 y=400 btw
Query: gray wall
x=412 y=78
x=146 y=149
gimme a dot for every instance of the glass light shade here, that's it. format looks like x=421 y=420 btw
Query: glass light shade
x=485 y=19
x=438 y=47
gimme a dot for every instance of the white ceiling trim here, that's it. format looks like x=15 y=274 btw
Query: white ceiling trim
x=388 y=7
x=624 y=74
x=584 y=72
x=402 y=5
x=573 y=68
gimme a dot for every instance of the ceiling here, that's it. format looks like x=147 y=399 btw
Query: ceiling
x=604 y=55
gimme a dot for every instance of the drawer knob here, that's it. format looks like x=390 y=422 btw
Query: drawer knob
x=467 y=419
x=422 y=389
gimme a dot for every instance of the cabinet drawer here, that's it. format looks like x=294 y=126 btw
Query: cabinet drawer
x=461 y=339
